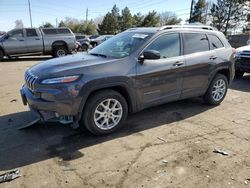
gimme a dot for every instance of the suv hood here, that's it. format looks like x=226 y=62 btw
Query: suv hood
x=65 y=64
x=243 y=48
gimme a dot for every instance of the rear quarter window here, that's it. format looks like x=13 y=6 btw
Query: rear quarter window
x=195 y=42
x=215 y=42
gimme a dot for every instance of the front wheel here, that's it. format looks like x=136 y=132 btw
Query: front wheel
x=217 y=90
x=105 y=112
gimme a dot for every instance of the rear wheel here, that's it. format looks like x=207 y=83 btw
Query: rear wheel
x=217 y=90
x=239 y=74
x=105 y=112
x=60 y=51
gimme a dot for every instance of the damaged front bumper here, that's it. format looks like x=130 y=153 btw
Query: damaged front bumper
x=49 y=111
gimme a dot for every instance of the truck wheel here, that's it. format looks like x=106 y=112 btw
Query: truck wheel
x=1 y=55
x=60 y=51
x=85 y=47
x=105 y=112
x=217 y=90
x=238 y=74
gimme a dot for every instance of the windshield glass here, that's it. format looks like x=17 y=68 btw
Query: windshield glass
x=121 y=45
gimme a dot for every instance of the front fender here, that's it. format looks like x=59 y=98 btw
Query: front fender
x=108 y=83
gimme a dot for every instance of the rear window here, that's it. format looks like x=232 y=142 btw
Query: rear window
x=195 y=42
x=215 y=42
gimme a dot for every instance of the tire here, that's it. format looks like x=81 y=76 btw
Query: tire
x=1 y=55
x=94 y=114
x=215 y=96
x=60 y=51
x=85 y=47
x=238 y=74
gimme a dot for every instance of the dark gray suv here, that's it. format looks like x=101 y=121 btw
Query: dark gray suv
x=134 y=70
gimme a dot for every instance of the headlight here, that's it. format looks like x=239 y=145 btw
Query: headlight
x=61 y=80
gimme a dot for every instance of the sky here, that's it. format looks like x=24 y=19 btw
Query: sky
x=49 y=10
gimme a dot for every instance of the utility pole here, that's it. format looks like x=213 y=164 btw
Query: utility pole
x=191 y=10
x=30 y=14
x=87 y=14
x=56 y=23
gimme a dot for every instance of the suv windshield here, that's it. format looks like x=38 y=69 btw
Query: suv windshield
x=121 y=45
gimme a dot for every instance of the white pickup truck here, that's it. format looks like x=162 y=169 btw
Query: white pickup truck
x=37 y=41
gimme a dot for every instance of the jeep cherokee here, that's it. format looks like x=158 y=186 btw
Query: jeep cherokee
x=134 y=70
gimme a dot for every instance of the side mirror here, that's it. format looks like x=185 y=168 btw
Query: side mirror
x=150 y=54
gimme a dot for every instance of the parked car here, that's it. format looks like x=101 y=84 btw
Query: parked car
x=242 y=63
x=84 y=44
x=30 y=41
x=134 y=70
x=99 y=40
x=79 y=36
x=248 y=42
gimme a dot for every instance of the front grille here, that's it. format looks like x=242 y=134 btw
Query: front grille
x=245 y=53
x=245 y=61
x=30 y=80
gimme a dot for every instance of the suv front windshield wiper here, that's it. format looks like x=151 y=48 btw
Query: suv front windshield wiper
x=100 y=55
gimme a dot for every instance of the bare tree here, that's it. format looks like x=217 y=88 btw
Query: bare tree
x=169 y=18
x=19 y=24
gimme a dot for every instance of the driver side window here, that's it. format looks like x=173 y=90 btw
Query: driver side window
x=168 y=45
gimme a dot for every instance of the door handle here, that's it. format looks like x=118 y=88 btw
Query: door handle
x=37 y=39
x=21 y=40
x=213 y=57
x=178 y=63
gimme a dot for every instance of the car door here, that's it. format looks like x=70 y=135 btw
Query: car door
x=199 y=63
x=15 y=43
x=34 y=41
x=160 y=80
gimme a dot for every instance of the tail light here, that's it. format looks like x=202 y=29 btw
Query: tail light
x=234 y=51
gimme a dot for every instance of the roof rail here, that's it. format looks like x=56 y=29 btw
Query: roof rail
x=205 y=27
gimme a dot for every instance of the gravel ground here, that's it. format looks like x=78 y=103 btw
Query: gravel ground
x=166 y=146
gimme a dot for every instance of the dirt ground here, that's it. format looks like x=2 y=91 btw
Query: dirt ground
x=167 y=146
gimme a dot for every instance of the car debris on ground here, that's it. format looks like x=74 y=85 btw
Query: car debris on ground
x=161 y=139
x=9 y=176
x=29 y=124
x=216 y=150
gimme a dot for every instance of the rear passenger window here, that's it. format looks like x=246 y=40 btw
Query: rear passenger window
x=31 y=33
x=168 y=45
x=215 y=42
x=195 y=42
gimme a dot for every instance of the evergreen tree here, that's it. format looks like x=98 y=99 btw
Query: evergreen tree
x=126 y=19
x=137 y=20
x=46 y=25
x=151 y=20
x=110 y=23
